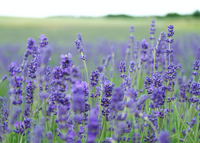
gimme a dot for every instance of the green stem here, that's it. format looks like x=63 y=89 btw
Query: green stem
x=53 y=126
x=45 y=114
x=86 y=74
x=154 y=63
x=127 y=51
x=103 y=130
x=112 y=67
x=40 y=106
x=146 y=119
x=101 y=94
x=133 y=79
x=21 y=138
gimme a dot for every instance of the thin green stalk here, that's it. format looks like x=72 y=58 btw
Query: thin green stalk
x=53 y=127
x=103 y=130
x=155 y=57
x=86 y=73
x=127 y=51
x=151 y=124
x=40 y=106
x=133 y=79
x=112 y=67
x=154 y=62
x=21 y=138
x=179 y=118
x=101 y=94
x=169 y=53
x=196 y=131
x=45 y=114
x=188 y=134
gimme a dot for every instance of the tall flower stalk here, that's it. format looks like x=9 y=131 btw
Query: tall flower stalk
x=170 y=40
x=79 y=45
x=129 y=50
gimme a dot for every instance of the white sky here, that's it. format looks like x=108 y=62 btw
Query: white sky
x=44 y=8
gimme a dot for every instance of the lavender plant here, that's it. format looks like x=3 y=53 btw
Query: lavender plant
x=147 y=100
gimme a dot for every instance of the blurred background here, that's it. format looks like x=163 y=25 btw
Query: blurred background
x=103 y=24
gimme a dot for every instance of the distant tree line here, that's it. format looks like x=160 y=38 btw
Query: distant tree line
x=171 y=15
x=118 y=16
x=195 y=14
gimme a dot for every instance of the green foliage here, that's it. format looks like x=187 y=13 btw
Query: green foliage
x=196 y=13
x=173 y=15
x=118 y=16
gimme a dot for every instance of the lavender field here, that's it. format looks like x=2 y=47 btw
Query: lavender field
x=99 y=80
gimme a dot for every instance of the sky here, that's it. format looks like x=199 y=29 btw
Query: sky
x=45 y=8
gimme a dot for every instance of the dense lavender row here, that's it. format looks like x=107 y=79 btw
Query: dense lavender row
x=154 y=101
x=188 y=42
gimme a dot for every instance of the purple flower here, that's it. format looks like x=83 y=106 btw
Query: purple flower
x=144 y=44
x=63 y=120
x=133 y=94
x=30 y=90
x=105 y=102
x=120 y=130
x=4 y=78
x=75 y=72
x=184 y=132
x=152 y=30
x=78 y=101
x=57 y=73
x=66 y=60
x=43 y=41
x=131 y=30
x=31 y=43
x=49 y=135
x=109 y=57
x=19 y=127
x=93 y=125
x=144 y=55
x=164 y=137
x=38 y=132
x=78 y=45
x=131 y=66
x=94 y=78
x=192 y=122
x=157 y=97
x=196 y=65
x=13 y=69
x=162 y=37
x=170 y=41
x=170 y=33
x=195 y=88
x=83 y=57
x=78 y=119
x=122 y=67
x=33 y=68
x=107 y=88
x=117 y=97
x=100 y=69
x=126 y=84
x=4 y=118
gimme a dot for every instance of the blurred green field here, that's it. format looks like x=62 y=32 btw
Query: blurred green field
x=64 y=30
